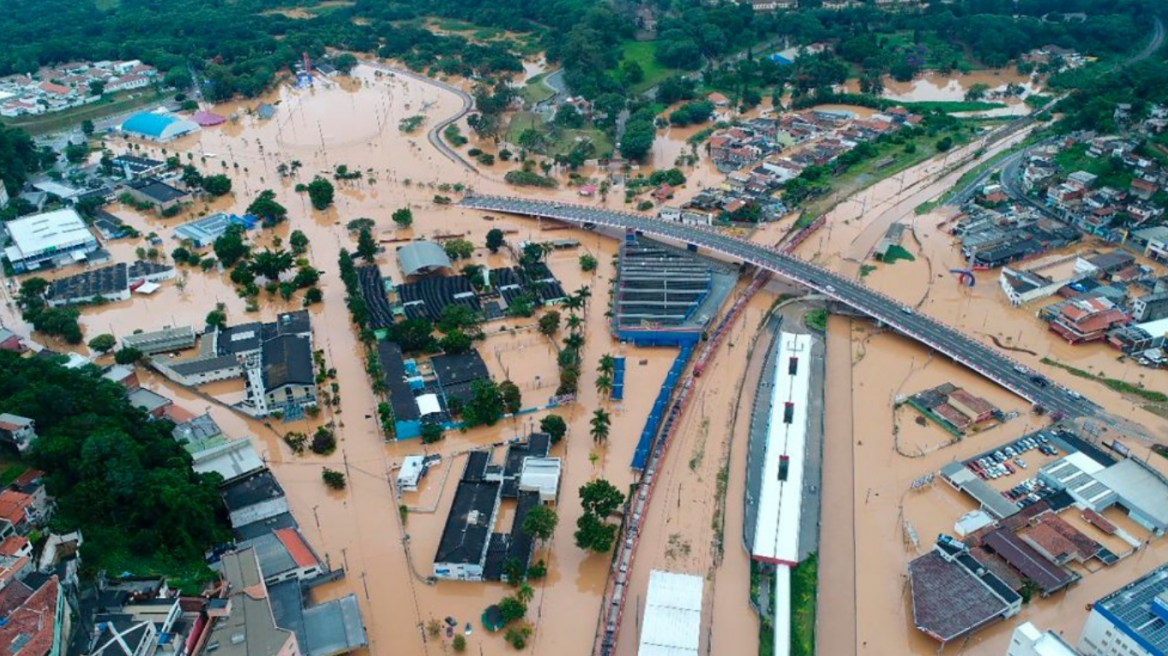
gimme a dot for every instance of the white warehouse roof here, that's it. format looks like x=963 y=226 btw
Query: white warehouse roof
x=56 y=230
x=673 y=615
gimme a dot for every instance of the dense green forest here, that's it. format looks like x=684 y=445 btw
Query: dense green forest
x=120 y=478
x=238 y=45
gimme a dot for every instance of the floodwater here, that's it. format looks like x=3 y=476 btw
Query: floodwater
x=355 y=123
x=889 y=513
x=933 y=86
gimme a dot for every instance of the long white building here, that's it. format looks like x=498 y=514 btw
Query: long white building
x=776 y=533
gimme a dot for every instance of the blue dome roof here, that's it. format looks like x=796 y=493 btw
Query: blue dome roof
x=148 y=124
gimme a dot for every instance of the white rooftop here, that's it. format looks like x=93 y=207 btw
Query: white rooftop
x=1028 y=640
x=428 y=404
x=541 y=475
x=38 y=233
x=411 y=470
x=673 y=615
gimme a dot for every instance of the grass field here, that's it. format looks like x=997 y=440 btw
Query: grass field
x=55 y=121
x=804 y=596
x=535 y=91
x=560 y=141
x=644 y=53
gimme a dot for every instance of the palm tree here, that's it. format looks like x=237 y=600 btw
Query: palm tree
x=600 y=424
x=573 y=303
x=270 y=264
x=584 y=293
x=525 y=593
x=574 y=322
x=574 y=341
x=603 y=384
x=607 y=364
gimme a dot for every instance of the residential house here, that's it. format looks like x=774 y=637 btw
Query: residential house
x=254 y=498
x=1152 y=307
x=36 y=624
x=152 y=403
x=17 y=431
x=32 y=483
x=1087 y=320
x=242 y=622
x=16 y=513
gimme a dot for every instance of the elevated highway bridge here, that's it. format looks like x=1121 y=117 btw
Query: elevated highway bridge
x=985 y=360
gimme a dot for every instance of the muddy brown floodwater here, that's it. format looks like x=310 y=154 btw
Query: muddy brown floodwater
x=933 y=86
x=355 y=123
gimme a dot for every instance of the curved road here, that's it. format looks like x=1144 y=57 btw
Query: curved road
x=988 y=362
x=435 y=133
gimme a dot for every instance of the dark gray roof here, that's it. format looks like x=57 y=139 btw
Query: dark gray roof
x=158 y=191
x=468 y=527
x=203 y=365
x=401 y=396
x=85 y=286
x=422 y=257
x=264 y=526
x=455 y=369
x=289 y=323
x=287 y=361
x=141 y=269
x=240 y=339
x=249 y=491
x=327 y=629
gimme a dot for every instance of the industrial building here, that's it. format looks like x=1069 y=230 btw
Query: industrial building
x=161 y=341
x=157 y=127
x=673 y=615
x=666 y=296
x=1131 y=484
x=953 y=594
x=470 y=549
x=202 y=233
x=112 y=283
x=1132 y=621
x=49 y=239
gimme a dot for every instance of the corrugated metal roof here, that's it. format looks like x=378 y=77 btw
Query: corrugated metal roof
x=421 y=257
x=673 y=615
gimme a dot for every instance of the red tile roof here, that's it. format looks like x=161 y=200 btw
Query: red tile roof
x=29 y=477
x=34 y=620
x=13 y=505
x=297 y=548
x=12 y=545
x=49 y=87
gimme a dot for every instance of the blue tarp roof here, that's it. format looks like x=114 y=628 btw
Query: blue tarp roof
x=149 y=124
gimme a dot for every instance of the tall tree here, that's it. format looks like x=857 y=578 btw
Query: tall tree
x=600 y=424
x=366 y=245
